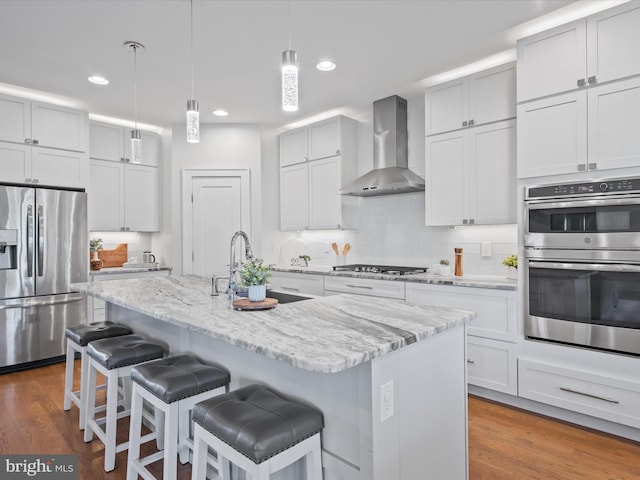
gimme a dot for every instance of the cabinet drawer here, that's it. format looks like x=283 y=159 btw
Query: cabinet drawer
x=364 y=286
x=298 y=283
x=492 y=364
x=496 y=309
x=608 y=397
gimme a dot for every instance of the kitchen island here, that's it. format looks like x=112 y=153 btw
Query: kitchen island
x=389 y=376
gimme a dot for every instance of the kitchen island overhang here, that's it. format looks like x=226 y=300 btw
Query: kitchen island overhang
x=336 y=353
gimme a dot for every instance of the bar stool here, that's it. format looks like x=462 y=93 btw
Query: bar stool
x=173 y=385
x=114 y=358
x=77 y=339
x=258 y=431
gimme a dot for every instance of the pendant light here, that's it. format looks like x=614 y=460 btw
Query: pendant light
x=136 y=138
x=193 y=114
x=289 y=75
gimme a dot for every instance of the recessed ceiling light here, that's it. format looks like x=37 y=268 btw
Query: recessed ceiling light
x=326 y=66
x=220 y=113
x=98 y=80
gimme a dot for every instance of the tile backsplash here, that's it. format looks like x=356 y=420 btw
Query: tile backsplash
x=136 y=242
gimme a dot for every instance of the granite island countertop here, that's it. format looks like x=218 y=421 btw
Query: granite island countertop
x=324 y=334
x=479 y=281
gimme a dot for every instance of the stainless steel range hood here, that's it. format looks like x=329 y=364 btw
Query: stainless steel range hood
x=390 y=174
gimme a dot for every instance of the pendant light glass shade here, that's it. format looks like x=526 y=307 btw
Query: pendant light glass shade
x=289 y=81
x=136 y=146
x=193 y=121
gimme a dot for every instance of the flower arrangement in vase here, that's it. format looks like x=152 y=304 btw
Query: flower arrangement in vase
x=443 y=267
x=95 y=244
x=511 y=262
x=254 y=275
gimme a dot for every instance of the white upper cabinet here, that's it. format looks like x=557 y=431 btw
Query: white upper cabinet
x=58 y=127
x=484 y=97
x=113 y=143
x=598 y=49
x=316 y=161
x=15 y=119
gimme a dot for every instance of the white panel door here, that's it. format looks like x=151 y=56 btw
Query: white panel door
x=58 y=127
x=293 y=147
x=141 y=198
x=446 y=106
x=105 y=195
x=614 y=125
x=325 y=204
x=492 y=173
x=552 y=135
x=613 y=38
x=106 y=141
x=15 y=119
x=552 y=61
x=59 y=167
x=15 y=162
x=294 y=197
x=324 y=139
x=492 y=94
x=221 y=206
x=446 y=177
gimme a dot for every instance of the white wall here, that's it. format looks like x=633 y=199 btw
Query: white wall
x=391 y=228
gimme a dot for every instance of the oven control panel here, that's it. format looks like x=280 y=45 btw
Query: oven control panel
x=626 y=185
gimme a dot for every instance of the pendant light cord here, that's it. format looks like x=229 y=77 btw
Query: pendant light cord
x=135 y=86
x=192 y=83
x=289 y=24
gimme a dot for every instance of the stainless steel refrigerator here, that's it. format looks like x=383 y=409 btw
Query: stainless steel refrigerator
x=43 y=248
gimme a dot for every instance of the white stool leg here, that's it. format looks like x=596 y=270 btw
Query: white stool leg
x=184 y=429
x=68 y=377
x=84 y=388
x=111 y=420
x=199 y=468
x=262 y=471
x=170 y=470
x=314 y=460
x=158 y=422
x=134 y=432
x=90 y=401
x=225 y=467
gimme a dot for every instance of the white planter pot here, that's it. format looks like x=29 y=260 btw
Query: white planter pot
x=257 y=293
x=512 y=273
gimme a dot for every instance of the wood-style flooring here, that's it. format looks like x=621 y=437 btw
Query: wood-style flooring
x=504 y=443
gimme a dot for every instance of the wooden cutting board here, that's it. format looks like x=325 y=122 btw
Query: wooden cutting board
x=115 y=257
x=246 y=304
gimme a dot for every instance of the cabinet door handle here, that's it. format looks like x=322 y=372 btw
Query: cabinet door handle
x=360 y=286
x=34 y=180
x=592 y=79
x=465 y=221
x=337 y=152
x=590 y=395
x=472 y=221
x=471 y=362
x=290 y=288
x=582 y=167
x=27 y=141
x=582 y=82
x=593 y=166
x=471 y=122
x=122 y=159
x=464 y=124
x=34 y=141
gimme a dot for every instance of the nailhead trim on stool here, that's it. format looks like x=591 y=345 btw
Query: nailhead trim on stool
x=77 y=339
x=257 y=430
x=173 y=385
x=114 y=358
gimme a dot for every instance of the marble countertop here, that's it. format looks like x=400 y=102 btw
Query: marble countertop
x=325 y=334
x=119 y=270
x=478 y=281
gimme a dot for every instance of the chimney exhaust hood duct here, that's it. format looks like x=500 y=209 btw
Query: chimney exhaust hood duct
x=390 y=174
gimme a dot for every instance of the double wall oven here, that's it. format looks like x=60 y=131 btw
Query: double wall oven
x=582 y=264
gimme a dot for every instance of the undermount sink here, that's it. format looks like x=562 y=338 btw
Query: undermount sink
x=283 y=297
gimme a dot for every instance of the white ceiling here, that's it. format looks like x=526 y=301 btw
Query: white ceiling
x=381 y=47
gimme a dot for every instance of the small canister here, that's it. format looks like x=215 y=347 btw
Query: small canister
x=458 y=262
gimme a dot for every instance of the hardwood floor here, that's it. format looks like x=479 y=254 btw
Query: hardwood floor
x=504 y=443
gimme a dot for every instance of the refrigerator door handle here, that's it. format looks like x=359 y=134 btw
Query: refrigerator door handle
x=40 y=240
x=40 y=301
x=29 y=241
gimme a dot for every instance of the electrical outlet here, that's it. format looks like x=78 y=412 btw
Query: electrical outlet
x=486 y=249
x=386 y=401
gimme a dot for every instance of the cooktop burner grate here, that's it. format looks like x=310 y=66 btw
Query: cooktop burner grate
x=389 y=270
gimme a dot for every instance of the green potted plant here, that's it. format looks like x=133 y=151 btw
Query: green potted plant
x=254 y=275
x=95 y=244
x=511 y=262
x=443 y=267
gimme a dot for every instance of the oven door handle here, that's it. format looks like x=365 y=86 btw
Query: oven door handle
x=582 y=202
x=600 y=267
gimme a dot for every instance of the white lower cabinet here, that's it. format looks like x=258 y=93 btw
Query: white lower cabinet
x=364 y=286
x=610 y=397
x=298 y=283
x=492 y=350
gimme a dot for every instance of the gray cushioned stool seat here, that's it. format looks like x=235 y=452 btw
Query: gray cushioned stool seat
x=257 y=422
x=83 y=334
x=181 y=376
x=121 y=351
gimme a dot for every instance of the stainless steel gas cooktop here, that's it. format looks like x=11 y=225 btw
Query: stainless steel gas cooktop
x=388 y=270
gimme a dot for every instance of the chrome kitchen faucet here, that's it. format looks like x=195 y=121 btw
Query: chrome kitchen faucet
x=234 y=265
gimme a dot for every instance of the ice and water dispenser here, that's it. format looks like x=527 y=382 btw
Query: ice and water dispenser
x=8 y=249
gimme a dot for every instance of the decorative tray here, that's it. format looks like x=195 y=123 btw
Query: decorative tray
x=246 y=304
